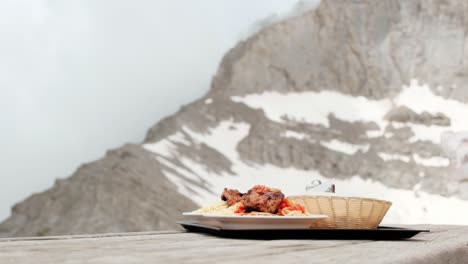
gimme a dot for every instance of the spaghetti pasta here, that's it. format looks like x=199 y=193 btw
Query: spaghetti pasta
x=238 y=204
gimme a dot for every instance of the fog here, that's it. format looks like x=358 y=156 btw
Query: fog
x=80 y=77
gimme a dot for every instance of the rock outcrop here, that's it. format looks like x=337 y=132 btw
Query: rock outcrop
x=403 y=114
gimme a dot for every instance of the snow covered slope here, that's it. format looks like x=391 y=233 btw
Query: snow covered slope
x=409 y=206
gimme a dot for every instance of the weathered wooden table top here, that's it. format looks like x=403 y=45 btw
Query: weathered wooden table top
x=444 y=244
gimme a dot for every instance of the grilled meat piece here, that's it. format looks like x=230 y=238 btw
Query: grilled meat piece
x=231 y=196
x=263 y=199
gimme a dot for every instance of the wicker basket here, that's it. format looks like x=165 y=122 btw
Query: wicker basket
x=344 y=212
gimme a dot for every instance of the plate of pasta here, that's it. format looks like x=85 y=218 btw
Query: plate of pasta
x=260 y=207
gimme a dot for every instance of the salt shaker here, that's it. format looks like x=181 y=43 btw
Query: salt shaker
x=319 y=186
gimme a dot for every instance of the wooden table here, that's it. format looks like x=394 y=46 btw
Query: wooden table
x=444 y=244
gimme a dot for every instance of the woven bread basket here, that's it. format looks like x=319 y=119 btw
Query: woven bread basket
x=344 y=212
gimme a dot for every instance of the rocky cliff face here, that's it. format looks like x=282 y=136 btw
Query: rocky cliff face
x=120 y=192
x=358 y=91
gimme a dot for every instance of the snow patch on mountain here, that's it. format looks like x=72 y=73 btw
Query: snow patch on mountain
x=224 y=138
x=431 y=161
x=428 y=133
x=420 y=98
x=422 y=132
x=344 y=147
x=428 y=162
x=294 y=134
x=393 y=156
x=374 y=133
x=315 y=107
x=165 y=147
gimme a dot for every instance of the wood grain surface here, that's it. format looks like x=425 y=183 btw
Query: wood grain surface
x=444 y=244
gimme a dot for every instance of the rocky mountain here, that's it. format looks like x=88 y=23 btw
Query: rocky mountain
x=355 y=91
x=118 y=192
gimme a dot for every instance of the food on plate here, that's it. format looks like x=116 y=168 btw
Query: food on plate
x=263 y=199
x=259 y=200
x=231 y=196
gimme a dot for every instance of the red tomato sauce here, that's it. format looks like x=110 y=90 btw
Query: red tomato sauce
x=290 y=206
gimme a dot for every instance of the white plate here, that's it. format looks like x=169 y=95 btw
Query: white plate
x=192 y=216
x=243 y=222
x=199 y=218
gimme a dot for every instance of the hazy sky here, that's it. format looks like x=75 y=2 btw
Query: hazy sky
x=80 y=77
